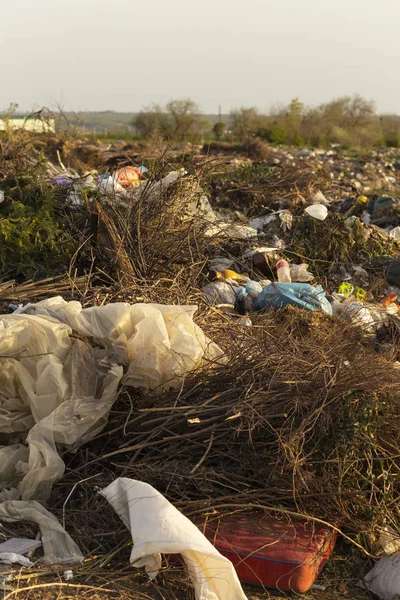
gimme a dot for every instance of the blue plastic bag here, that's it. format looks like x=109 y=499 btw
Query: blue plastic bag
x=302 y=295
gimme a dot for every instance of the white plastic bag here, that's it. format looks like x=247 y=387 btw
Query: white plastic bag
x=157 y=527
x=219 y=292
x=384 y=579
x=300 y=274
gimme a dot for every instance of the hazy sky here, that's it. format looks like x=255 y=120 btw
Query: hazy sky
x=122 y=55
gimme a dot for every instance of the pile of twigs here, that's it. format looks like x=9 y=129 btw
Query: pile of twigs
x=155 y=251
x=300 y=421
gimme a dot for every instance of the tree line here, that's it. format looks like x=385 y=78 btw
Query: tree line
x=349 y=121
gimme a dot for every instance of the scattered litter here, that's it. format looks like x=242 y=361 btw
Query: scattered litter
x=260 y=222
x=283 y=271
x=395 y=233
x=294 y=369
x=389 y=540
x=68 y=574
x=128 y=177
x=318 y=198
x=220 y=292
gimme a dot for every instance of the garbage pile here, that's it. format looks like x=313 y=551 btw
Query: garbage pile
x=219 y=359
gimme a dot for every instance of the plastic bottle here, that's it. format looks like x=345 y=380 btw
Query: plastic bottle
x=283 y=271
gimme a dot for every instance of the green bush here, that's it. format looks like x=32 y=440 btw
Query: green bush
x=298 y=140
x=278 y=135
x=33 y=240
x=219 y=130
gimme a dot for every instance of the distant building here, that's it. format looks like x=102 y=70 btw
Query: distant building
x=37 y=125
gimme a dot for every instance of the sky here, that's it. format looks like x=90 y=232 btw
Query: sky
x=125 y=55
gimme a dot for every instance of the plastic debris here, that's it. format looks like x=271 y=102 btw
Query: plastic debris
x=318 y=198
x=395 y=233
x=300 y=273
x=317 y=211
x=62 y=389
x=260 y=222
x=157 y=527
x=384 y=579
x=20 y=545
x=10 y=558
x=302 y=295
x=58 y=547
x=128 y=176
x=389 y=540
x=220 y=292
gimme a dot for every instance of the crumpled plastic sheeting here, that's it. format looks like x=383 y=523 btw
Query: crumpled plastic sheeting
x=52 y=386
x=58 y=547
x=161 y=343
x=158 y=527
x=61 y=389
x=384 y=579
x=302 y=295
x=10 y=558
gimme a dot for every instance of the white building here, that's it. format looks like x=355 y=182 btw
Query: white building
x=33 y=124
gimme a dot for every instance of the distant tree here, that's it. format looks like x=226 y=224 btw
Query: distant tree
x=151 y=120
x=200 y=128
x=353 y=119
x=219 y=130
x=278 y=135
x=349 y=111
x=244 y=122
x=390 y=126
x=180 y=120
x=296 y=109
x=184 y=116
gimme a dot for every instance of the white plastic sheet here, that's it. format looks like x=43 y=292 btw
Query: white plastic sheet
x=161 y=343
x=300 y=274
x=56 y=388
x=384 y=579
x=220 y=292
x=157 y=527
x=58 y=547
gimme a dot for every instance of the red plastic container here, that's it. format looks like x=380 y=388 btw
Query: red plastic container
x=272 y=552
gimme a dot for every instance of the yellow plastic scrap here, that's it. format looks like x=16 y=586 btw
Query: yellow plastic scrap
x=345 y=289
x=360 y=294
